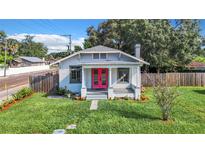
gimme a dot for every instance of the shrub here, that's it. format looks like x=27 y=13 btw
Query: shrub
x=22 y=93
x=1 y=107
x=65 y=92
x=62 y=91
x=10 y=101
x=165 y=98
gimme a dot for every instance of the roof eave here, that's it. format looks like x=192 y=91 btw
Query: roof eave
x=117 y=51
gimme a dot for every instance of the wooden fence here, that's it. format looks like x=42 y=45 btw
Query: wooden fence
x=45 y=82
x=174 y=79
x=48 y=82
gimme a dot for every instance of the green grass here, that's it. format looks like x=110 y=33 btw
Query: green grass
x=42 y=115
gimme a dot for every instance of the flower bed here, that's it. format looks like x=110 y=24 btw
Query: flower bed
x=21 y=94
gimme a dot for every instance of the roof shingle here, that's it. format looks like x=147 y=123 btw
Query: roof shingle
x=32 y=59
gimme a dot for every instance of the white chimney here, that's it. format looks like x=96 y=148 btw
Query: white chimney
x=137 y=50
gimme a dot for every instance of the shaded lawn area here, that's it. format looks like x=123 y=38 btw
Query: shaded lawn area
x=42 y=115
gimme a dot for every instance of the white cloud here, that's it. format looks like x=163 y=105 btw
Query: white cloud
x=54 y=43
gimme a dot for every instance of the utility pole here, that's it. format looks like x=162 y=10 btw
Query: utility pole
x=5 y=55
x=70 y=41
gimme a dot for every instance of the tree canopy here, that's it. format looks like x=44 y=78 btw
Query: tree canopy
x=30 y=48
x=12 y=47
x=77 y=48
x=166 y=44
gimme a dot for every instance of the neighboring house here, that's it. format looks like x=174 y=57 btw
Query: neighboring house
x=196 y=66
x=101 y=72
x=24 y=61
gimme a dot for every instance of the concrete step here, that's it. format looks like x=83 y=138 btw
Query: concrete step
x=96 y=92
x=96 y=97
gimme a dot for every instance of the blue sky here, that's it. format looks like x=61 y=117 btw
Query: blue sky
x=77 y=28
x=49 y=31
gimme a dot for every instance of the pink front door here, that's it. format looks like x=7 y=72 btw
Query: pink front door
x=99 y=78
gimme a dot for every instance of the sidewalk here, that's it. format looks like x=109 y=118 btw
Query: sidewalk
x=3 y=94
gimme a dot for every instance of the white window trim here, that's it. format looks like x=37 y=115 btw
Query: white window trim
x=70 y=76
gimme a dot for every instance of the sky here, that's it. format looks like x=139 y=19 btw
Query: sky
x=50 y=31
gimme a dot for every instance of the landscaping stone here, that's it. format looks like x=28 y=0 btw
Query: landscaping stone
x=94 y=105
x=59 y=131
x=72 y=126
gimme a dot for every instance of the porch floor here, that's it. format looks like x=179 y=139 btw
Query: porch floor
x=123 y=90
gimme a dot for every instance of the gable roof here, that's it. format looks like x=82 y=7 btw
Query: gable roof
x=196 y=64
x=32 y=59
x=99 y=49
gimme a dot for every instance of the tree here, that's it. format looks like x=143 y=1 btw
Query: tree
x=12 y=47
x=58 y=55
x=77 y=48
x=2 y=36
x=165 y=45
x=30 y=48
x=86 y=44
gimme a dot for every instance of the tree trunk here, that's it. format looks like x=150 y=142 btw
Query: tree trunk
x=165 y=116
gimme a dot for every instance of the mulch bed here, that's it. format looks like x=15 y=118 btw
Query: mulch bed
x=14 y=102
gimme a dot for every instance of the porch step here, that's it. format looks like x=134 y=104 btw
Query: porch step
x=96 y=97
x=96 y=92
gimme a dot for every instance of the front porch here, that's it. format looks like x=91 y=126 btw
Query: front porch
x=113 y=86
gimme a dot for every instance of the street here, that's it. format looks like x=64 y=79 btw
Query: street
x=11 y=84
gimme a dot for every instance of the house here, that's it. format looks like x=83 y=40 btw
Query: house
x=101 y=72
x=196 y=66
x=27 y=61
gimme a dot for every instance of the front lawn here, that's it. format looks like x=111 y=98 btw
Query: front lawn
x=39 y=114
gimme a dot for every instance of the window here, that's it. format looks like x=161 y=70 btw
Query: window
x=96 y=56
x=123 y=75
x=103 y=56
x=99 y=56
x=75 y=74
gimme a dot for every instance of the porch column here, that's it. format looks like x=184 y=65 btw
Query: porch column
x=83 y=78
x=110 y=88
x=138 y=83
x=110 y=77
x=83 y=89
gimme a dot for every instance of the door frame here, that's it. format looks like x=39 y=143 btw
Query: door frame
x=100 y=86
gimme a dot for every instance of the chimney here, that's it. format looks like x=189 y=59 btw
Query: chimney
x=137 y=51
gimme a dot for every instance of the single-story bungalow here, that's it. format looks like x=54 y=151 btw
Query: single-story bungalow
x=101 y=72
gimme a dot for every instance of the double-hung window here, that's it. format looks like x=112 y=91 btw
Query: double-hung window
x=75 y=74
x=123 y=75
